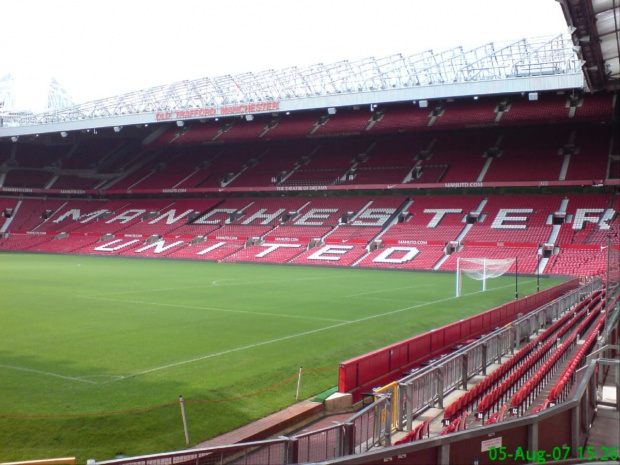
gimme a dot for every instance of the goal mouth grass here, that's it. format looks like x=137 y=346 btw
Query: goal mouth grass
x=95 y=351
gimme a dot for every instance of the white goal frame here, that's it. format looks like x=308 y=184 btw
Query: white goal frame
x=489 y=268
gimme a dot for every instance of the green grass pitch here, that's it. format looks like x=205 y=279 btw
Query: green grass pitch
x=95 y=351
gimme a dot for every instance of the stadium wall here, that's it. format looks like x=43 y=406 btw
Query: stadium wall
x=385 y=365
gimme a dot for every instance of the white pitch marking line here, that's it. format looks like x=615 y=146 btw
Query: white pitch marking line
x=214 y=283
x=292 y=336
x=387 y=299
x=276 y=281
x=237 y=349
x=193 y=307
x=389 y=290
x=161 y=289
x=47 y=373
x=229 y=351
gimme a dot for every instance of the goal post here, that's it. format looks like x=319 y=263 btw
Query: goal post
x=480 y=269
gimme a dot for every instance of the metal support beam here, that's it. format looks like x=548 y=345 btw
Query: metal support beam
x=439 y=380
x=464 y=361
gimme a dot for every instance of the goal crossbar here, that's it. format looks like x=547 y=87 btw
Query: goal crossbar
x=480 y=269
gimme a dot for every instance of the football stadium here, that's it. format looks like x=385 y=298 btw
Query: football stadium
x=412 y=259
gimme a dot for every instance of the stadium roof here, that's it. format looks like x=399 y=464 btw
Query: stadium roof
x=526 y=65
x=39 y=94
x=594 y=25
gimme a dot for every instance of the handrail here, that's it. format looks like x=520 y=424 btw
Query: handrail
x=428 y=386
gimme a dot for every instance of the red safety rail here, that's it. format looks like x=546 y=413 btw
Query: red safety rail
x=386 y=364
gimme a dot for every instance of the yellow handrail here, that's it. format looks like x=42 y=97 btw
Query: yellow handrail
x=392 y=388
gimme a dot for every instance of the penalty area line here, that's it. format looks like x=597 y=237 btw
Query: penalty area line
x=215 y=283
x=213 y=309
x=291 y=336
x=388 y=290
x=226 y=352
x=47 y=373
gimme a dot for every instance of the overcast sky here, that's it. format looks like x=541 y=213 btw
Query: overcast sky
x=102 y=48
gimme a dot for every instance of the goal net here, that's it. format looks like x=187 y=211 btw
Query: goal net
x=480 y=269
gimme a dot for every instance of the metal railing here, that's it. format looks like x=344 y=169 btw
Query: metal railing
x=570 y=421
x=427 y=387
x=342 y=443
x=372 y=426
x=272 y=452
x=323 y=444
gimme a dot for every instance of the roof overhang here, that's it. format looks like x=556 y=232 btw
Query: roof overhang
x=594 y=28
x=525 y=65
x=435 y=92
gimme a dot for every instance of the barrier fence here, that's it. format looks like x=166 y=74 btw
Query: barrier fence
x=565 y=425
x=272 y=452
x=323 y=444
x=387 y=364
x=558 y=433
x=372 y=426
x=426 y=387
